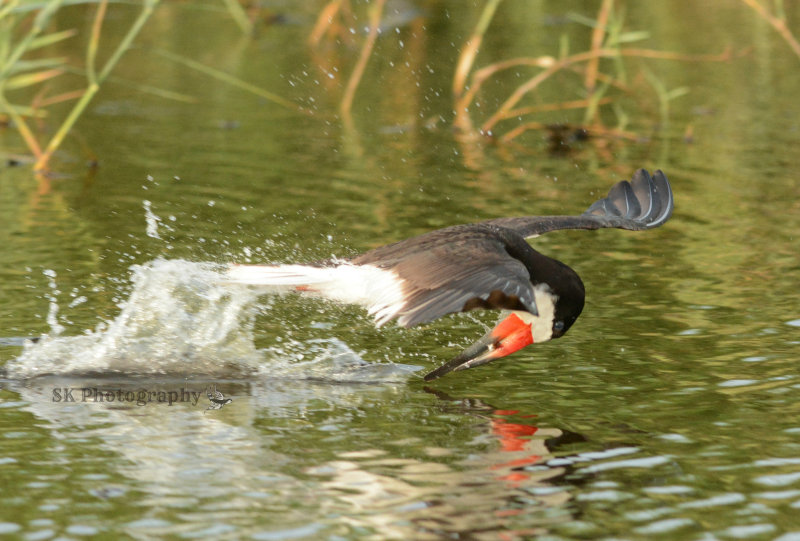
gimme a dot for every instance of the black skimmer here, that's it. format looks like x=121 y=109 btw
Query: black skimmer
x=481 y=265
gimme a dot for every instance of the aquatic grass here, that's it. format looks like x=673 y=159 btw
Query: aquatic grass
x=602 y=68
x=12 y=62
x=551 y=66
x=130 y=83
x=665 y=96
x=374 y=14
x=22 y=30
x=333 y=20
x=470 y=50
x=327 y=23
x=95 y=78
x=608 y=40
x=777 y=21
x=593 y=64
x=12 y=54
x=239 y=16
x=229 y=79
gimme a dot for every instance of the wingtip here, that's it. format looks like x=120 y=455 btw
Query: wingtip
x=663 y=191
x=645 y=202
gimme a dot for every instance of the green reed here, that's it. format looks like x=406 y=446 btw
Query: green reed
x=608 y=41
x=16 y=14
x=23 y=30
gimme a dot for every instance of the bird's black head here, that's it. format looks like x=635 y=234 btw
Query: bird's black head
x=568 y=287
x=559 y=295
x=558 y=292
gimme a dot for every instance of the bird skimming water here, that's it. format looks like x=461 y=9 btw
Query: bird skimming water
x=486 y=265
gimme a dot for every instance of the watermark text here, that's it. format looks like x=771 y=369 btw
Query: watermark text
x=139 y=397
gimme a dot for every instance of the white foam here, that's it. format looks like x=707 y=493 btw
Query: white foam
x=182 y=318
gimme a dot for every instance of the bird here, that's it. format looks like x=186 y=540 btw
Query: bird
x=218 y=400
x=482 y=265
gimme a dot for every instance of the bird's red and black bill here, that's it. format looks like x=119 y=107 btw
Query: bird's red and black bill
x=510 y=335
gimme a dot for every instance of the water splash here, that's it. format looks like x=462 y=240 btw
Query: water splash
x=52 y=310
x=182 y=319
x=151 y=220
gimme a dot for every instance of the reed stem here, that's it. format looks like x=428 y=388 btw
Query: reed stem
x=239 y=16
x=598 y=37
x=470 y=51
x=778 y=22
x=39 y=22
x=231 y=80
x=375 y=13
x=95 y=79
x=22 y=126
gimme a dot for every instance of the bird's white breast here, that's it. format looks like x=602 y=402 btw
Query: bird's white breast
x=541 y=325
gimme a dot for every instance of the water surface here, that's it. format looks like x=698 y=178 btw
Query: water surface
x=669 y=409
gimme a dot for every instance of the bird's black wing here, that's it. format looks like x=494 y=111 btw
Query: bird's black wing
x=643 y=203
x=456 y=269
x=481 y=265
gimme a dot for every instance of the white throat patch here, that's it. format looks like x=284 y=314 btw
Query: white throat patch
x=541 y=325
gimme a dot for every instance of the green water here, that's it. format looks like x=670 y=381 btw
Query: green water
x=670 y=409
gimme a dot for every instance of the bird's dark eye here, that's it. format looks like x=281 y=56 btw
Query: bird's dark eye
x=558 y=326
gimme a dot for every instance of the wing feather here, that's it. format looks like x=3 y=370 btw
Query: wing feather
x=643 y=203
x=452 y=270
x=471 y=266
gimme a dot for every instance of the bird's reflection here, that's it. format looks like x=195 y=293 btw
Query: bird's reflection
x=520 y=460
x=494 y=475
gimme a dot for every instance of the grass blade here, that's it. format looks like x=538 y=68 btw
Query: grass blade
x=30 y=79
x=229 y=79
x=49 y=39
x=239 y=16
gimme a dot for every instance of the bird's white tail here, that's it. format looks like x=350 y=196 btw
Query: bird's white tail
x=280 y=277
x=378 y=290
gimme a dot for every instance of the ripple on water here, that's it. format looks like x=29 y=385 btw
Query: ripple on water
x=82 y=529
x=669 y=489
x=291 y=533
x=778 y=494
x=789 y=536
x=648 y=514
x=778 y=479
x=665 y=526
x=38 y=535
x=777 y=461
x=9 y=527
x=604 y=496
x=645 y=462
x=738 y=382
x=715 y=501
x=148 y=524
x=750 y=530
